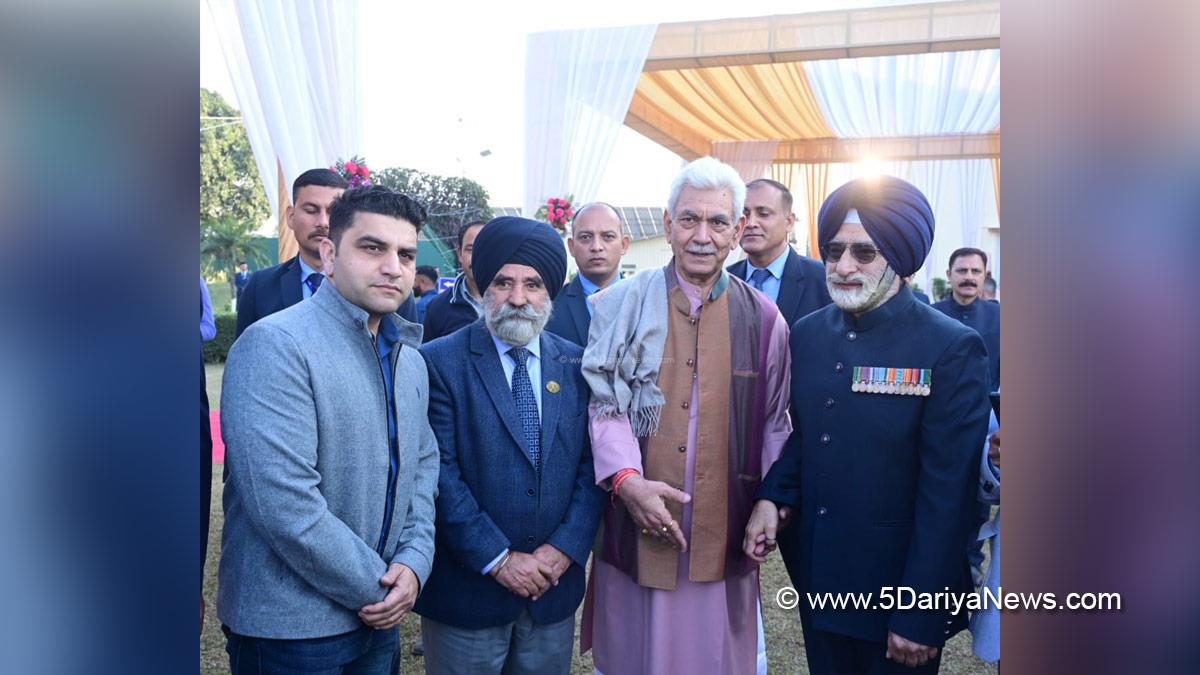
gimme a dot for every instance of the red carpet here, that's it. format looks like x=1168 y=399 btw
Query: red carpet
x=214 y=417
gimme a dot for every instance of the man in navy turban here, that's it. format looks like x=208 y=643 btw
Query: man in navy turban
x=517 y=505
x=890 y=407
x=894 y=213
x=519 y=241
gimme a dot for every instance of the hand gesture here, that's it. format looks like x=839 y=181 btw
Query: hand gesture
x=911 y=654
x=646 y=501
x=765 y=521
x=402 y=595
x=523 y=574
x=556 y=560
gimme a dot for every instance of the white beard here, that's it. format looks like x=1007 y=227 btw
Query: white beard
x=515 y=326
x=869 y=295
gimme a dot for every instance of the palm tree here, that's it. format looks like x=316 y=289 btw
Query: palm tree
x=224 y=244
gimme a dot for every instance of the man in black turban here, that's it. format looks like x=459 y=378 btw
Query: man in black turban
x=517 y=504
x=890 y=409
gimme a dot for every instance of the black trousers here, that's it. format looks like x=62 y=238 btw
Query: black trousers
x=836 y=654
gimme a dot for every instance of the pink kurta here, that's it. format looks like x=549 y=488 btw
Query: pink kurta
x=700 y=627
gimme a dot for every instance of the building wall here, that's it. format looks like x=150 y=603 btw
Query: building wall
x=646 y=254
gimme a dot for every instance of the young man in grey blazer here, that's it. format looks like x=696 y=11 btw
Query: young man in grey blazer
x=333 y=468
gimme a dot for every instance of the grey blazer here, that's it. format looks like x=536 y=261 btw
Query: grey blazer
x=303 y=416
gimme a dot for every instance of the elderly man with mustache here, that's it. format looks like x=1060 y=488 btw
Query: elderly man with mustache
x=517 y=508
x=688 y=367
x=889 y=401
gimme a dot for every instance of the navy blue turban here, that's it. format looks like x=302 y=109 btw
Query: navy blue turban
x=894 y=213
x=519 y=241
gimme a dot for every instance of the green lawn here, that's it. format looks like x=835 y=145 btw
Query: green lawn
x=785 y=646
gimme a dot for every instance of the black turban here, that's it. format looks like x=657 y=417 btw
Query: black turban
x=519 y=241
x=894 y=213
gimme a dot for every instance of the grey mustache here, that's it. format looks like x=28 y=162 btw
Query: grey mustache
x=507 y=311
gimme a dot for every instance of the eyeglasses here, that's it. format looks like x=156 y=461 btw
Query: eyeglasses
x=863 y=253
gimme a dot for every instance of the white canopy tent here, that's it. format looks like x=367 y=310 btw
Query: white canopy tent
x=811 y=100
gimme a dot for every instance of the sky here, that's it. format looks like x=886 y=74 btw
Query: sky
x=444 y=81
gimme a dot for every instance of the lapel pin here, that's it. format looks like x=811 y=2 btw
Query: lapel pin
x=552 y=387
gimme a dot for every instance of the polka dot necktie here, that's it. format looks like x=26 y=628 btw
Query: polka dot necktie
x=522 y=391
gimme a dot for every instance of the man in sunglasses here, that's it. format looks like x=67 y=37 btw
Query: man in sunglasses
x=889 y=408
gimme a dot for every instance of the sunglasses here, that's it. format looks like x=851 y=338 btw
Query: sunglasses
x=863 y=253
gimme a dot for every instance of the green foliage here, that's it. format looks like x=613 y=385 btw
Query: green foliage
x=450 y=201
x=940 y=288
x=225 y=243
x=229 y=183
x=216 y=350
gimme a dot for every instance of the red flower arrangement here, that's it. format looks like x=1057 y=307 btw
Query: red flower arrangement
x=557 y=212
x=354 y=170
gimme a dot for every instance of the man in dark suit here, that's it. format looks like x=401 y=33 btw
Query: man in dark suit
x=517 y=506
x=274 y=288
x=241 y=278
x=459 y=306
x=966 y=274
x=795 y=283
x=889 y=407
x=597 y=244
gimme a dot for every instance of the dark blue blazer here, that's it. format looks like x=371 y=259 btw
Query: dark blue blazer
x=802 y=288
x=885 y=483
x=984 y=317
x=490 y=497
x=274 y=288
x=571 y=319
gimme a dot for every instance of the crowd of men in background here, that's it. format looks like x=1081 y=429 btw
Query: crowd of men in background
x=463 y=454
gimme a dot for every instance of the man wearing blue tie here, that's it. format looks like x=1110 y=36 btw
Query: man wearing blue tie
x=795 y=283
x=274 y=288
x=517 y=506
x=597 y=244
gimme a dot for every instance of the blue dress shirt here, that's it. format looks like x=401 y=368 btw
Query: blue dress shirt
x=305 y=273
x=588 y=288
x=385 y=345
x=771 y=284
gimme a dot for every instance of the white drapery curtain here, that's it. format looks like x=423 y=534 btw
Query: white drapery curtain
x=752 y=159
x=910 y=95
x=295 y=69
x=919 y=95
x=578 y=85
